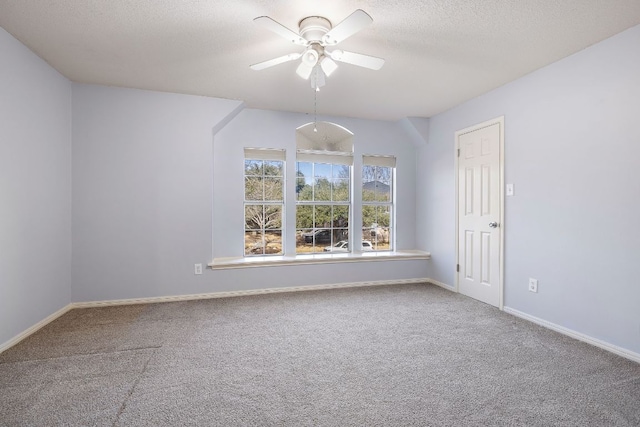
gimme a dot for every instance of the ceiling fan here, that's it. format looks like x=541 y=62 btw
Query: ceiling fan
x=316 y=33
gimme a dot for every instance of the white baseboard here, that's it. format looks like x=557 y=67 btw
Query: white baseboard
x=442 y=285
x=228 y=294
x=577 y=335
x=44 y=322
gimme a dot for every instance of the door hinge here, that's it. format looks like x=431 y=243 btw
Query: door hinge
x=458 y=152
x=458 y=268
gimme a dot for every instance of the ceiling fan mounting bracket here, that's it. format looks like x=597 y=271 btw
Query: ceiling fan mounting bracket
x=313 y=28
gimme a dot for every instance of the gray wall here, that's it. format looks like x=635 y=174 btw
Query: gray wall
x=572 y=145
x=35 y=189
x=142 y=177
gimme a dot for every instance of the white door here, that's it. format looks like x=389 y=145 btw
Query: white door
x=479 y=270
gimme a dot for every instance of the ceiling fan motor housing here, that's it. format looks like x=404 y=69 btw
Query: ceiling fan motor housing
x=313 y=28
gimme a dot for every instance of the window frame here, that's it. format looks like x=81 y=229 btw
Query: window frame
x=380 y=161
x=265 y=156
x=348 y=206
x=303 y=232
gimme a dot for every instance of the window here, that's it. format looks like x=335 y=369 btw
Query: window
x=324 y=197
x=377 y=201
x=323 y=205
x=323 y=187
x=263 y=201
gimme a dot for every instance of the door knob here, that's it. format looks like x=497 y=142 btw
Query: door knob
x=493 y=224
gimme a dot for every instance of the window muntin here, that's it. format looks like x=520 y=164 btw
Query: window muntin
x=263 y=202
x=323 y=205
x=377 y=202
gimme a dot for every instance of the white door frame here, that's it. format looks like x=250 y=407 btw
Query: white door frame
x=500 y=121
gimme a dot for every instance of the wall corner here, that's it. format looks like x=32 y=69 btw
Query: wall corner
x=417 y=128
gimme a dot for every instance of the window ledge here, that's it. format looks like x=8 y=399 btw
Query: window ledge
x=273 y=261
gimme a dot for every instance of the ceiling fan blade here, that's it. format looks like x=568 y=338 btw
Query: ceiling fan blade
x=351 y=25
x=359 y=59
x=280 y=30
x=275 y=61
x=304 y=70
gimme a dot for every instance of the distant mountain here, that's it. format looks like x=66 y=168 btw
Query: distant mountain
x=378 y=186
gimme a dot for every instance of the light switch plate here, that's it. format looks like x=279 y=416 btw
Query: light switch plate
x=510 y=190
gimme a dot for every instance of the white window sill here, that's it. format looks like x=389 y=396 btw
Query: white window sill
x=273 y=261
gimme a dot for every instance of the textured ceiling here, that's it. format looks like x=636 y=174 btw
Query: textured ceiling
x=438 y=53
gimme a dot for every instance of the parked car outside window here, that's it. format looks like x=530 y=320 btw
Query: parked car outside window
x=320 y=235
x=343 y=246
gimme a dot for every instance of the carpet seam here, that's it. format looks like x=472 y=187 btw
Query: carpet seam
x=81 y=354
x=133 y=387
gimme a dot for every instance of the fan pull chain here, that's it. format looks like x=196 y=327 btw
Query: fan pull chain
x=315 y=110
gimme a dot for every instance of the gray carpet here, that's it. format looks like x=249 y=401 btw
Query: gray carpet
x=406 y=355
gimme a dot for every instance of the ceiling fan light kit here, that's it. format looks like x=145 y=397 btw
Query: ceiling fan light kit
x=310 y=56
x=328 y=65
x=304 y=70
x=315 y=33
